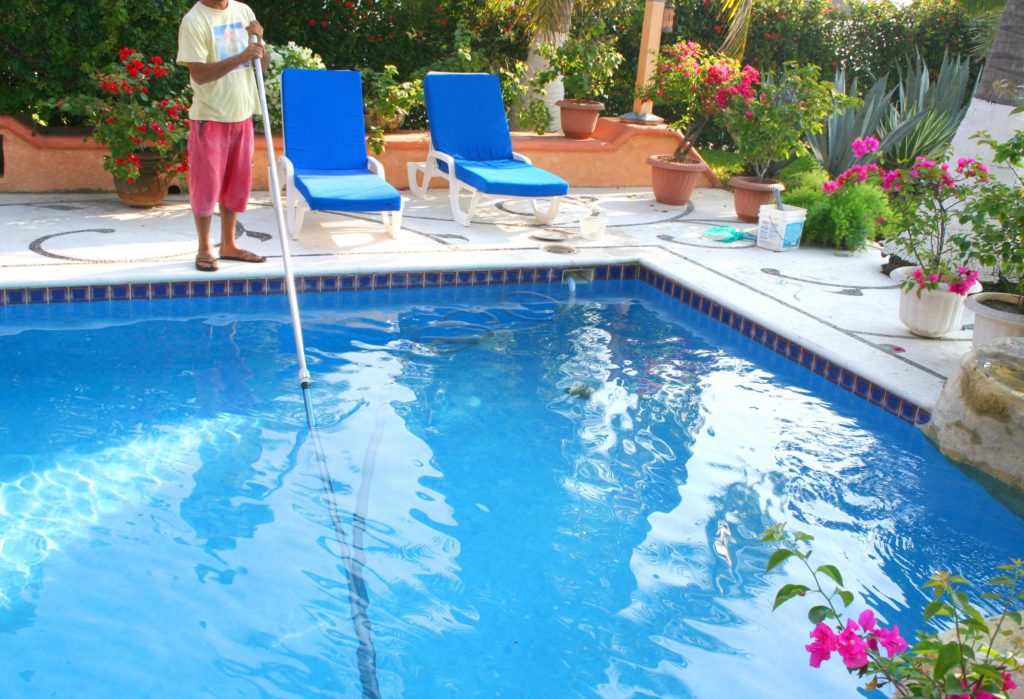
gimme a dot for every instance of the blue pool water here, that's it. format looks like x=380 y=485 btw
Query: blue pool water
x=535 y=498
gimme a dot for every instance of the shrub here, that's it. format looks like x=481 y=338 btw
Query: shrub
x=846 y=220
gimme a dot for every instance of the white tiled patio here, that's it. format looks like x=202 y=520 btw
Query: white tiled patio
x=837 y=304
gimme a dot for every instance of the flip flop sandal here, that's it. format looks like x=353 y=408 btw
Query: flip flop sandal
x=206 y=264
x=244 y=256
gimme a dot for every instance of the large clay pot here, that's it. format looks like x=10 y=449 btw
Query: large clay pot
x=149 y=188
x=749 y=194
x=932 y=312
x=673 y=183
x=579 y=117
x=995 y=315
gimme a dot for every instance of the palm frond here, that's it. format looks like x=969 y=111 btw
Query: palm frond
x=543 y=18
x=977 y=8
x=738 y=13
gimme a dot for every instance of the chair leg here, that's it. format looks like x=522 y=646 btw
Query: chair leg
x=392 y=221
x=461 y=217
x=419 y=190
x=549 y=215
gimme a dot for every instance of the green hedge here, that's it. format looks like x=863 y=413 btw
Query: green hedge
x=49 y=48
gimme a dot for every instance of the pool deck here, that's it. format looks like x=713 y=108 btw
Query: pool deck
x=836 y=304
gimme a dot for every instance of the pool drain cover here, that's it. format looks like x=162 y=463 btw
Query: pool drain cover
x=560 y=249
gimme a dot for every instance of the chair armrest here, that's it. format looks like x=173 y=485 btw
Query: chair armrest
x=521 y=157
x=285 y=164
x=377 y=166
x=443 y=157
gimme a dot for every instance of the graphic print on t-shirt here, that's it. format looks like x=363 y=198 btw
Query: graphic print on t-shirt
x=230 y=40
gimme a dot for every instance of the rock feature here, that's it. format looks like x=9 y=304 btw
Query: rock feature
x=979 y=417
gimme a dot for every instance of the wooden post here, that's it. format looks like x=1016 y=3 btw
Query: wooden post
x=650 y=44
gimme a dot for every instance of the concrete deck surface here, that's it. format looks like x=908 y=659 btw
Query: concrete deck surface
x=835 y=303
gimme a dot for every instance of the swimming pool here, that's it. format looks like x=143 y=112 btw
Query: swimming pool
x=538 y=496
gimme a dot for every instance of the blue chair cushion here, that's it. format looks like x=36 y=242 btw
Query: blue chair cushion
x=346 y=190
x=510 y=178
x=467 y=118
x=323 y=119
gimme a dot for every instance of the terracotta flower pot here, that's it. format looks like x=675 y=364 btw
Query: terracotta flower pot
x=579 y=117
x=673 y=183
x=749 y=194
x=149 y=188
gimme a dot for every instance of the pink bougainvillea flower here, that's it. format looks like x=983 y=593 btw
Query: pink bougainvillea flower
x=891 y=640
x=863 y=146
x=825 y=641
x=852 y=648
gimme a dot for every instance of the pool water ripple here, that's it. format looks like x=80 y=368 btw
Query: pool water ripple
x=536 y=497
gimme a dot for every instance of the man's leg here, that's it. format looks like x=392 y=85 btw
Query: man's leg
x=235 y=192
x=204 y=175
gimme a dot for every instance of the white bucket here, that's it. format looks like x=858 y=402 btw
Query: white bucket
x=780 y=229
x=592 y=227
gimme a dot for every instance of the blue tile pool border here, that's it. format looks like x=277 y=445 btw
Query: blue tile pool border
x=793 y=351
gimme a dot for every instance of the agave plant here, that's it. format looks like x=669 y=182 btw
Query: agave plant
x=832 y=145
x=917 y=117
x=936 y=108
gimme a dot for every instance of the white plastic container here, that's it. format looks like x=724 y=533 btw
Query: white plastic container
x=780 y=229
x=592 y=227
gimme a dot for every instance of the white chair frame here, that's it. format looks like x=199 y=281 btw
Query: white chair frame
x=296 y=205
x=430 y=169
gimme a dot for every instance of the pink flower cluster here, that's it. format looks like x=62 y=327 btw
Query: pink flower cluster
x=966 y=278
x=854 y=641
x=863 y=146
x=976 y=693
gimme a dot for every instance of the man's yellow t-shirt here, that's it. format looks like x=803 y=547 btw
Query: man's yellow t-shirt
x=207 y=35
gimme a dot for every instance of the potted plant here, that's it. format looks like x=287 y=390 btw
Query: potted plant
x=142 y=117
x=996 y=215
x=925 y=198
x=694 y=84
x=768 y=129
x=586 y=63
x=388 y=102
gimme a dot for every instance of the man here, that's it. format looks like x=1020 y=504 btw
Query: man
x=214 y=44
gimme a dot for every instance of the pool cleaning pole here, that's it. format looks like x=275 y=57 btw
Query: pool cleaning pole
x=282 y=229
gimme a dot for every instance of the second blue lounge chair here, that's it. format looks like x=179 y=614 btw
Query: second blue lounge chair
x=326 y=165
x=470 y=146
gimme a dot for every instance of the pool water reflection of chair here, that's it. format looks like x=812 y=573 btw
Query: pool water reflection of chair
x=471 y=146
x=325 y=164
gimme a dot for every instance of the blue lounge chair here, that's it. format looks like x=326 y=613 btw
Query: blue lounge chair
x=325 y=162
x=470 y=146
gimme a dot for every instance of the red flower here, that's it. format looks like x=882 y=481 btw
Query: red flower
x=123 y=54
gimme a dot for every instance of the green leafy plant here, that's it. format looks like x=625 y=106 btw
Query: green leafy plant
x=290 y=55
x=768 y=129
x=388 y=102
x=137 y=113
x=925 y=198
x=965 y=663
x=847 y=220
x=586 y=61
x=996 y=215
x=696 y=84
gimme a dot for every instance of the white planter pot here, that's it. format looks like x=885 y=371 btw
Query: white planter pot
x=932 y=313
x=991 y=323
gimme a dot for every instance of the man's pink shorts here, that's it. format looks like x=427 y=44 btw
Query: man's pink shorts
x=219 y=165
